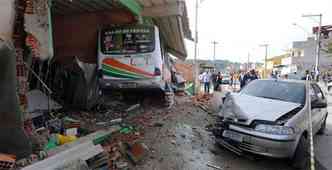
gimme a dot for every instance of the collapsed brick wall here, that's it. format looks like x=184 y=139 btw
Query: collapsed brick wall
x=36 y=24
x=186 y=70
x=19 y=36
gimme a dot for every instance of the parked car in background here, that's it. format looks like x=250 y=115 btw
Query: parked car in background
x=226 y=79
x=269 y=118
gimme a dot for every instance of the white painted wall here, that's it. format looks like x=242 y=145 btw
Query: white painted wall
x=7 y=15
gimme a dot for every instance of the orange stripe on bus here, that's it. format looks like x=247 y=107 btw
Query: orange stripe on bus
x=115 y=63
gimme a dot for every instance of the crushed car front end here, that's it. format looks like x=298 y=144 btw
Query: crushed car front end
x=256 y=138
x=265 y=118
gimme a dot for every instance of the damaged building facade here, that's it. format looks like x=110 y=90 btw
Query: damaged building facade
x=49 y=60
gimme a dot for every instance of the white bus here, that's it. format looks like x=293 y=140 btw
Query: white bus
x=132 y=57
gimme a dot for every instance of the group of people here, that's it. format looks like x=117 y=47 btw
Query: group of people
x=207 y=77
x=216 y=78
x=246 y=78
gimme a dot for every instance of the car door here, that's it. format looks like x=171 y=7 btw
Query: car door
x=314 y=111
x=322 y=111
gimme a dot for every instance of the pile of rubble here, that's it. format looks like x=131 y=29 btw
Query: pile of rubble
x=203 y=101
x=108 y=137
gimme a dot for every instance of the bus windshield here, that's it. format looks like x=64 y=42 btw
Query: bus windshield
x=127 y=40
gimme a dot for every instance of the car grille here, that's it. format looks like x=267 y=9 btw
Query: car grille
x=250 y=147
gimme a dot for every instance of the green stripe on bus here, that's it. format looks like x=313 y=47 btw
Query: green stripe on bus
x=117 y=75
x=122 y=71
x=107 y=67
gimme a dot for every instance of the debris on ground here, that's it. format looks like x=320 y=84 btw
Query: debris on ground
x=110 y=123
x=158 y=124
x=133 y=108
x=203 y=101
x=136 y=152
x=109 y=136
x=106 y=137
x=214 y=166
x=7 y=162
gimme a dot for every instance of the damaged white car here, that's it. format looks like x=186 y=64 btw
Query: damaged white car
x=270 y=118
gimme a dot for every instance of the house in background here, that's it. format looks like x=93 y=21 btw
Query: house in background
x=302 y=56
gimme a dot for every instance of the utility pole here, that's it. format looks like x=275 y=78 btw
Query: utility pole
x=248 y=67
x=266 y=53
x=195 y=76
x=214 y=52
x=195 y=54
x=318 y=34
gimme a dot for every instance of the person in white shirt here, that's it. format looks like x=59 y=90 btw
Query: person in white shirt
x=206 y=80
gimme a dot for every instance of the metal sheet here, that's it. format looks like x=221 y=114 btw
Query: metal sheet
x=38 y=101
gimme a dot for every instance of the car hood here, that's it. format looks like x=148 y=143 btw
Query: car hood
x=244 y=108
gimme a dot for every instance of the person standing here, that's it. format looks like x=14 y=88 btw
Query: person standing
x=249 y=77
x=206 y=81
x=214 y=80
x=218 y=81
x=231 y=79
x=307 y=74
x=241 y=78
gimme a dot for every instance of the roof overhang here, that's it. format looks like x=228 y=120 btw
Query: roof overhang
x=68 y=7
x=172 y=19
x=169 y=15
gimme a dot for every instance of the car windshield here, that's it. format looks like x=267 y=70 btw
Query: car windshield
x=279 y=90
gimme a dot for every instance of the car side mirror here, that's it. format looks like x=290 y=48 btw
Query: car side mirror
x=318 y=104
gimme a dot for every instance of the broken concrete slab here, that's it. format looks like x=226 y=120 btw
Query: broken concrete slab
x=83 y=151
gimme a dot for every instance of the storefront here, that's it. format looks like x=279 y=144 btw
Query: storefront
x=49 y=36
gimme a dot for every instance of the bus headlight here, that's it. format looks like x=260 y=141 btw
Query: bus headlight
x=274 y=129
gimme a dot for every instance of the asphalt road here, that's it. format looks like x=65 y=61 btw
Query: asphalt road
x=183 y=143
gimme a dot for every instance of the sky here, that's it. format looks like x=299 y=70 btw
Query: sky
x=241 y=26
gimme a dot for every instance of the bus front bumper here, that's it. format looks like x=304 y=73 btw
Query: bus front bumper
x=131 y=84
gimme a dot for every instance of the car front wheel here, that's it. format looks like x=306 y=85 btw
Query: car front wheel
x=302 y=156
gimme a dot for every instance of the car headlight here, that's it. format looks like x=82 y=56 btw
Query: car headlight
x=274 y=129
